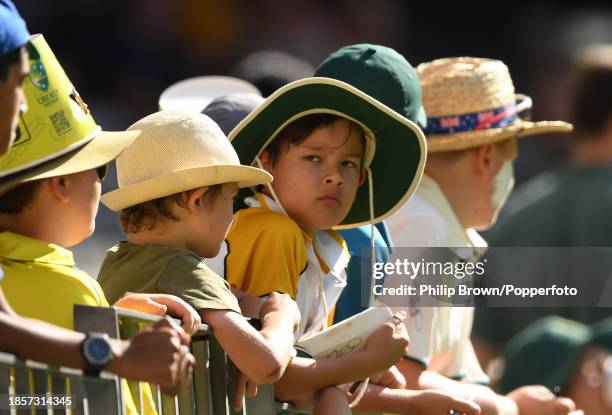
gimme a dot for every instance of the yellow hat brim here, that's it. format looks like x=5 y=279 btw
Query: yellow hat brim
x=102 y=149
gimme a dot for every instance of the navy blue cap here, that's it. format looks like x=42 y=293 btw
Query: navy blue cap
x=13 y=30
x=229 y=110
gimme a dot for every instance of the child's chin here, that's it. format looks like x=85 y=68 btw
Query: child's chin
x=328 y=223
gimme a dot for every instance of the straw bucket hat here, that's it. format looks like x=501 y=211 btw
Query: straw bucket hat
x=57 y=135
x=471 y=101
x=176 y=152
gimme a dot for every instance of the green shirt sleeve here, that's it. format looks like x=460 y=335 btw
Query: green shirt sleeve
x=187 y=277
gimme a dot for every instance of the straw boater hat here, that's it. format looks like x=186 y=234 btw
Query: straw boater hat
x=399 y=143
x=471 y=101
x=177 y=152
x=57 y=135
x=194 y=94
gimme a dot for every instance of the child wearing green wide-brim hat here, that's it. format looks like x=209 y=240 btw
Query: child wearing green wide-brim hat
x=335 y=154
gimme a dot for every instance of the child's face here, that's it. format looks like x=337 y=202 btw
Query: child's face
x=215 y=216
x=77 y=213
x=317 y=180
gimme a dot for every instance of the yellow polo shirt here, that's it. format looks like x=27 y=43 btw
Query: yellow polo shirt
x=42 y=281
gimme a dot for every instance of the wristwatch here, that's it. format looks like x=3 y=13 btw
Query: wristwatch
x=97 y=353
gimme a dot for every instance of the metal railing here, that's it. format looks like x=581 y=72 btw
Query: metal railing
x=211 y=390
x=88 y=395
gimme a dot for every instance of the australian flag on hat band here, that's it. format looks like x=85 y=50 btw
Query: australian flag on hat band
x=450 y=124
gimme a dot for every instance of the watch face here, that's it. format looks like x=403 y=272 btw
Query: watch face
x=98 y=351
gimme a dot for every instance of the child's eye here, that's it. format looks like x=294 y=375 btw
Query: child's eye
x=313 y=158
x=349 y=163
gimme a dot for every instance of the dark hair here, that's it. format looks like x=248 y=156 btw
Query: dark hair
x=592 y=103
x=144 y=216
x=17 y=199
x=299 y=130
x=8 y=60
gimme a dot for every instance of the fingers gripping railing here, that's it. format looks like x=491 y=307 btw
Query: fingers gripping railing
x=211 y=388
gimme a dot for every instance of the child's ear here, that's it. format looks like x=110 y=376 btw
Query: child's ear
x=59 y=188
x=195 y=199
x=483 y=161
x=362 y=176
x=266 y=163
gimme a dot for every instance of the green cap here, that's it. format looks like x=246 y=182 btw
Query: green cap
x=380 y=72
x=547 y=353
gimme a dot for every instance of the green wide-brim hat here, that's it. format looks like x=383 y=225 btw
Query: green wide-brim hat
x=395 y=147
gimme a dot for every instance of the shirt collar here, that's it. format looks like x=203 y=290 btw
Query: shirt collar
x=324 y=253
x=457 y=235
x=264 y=201
x=22 y=248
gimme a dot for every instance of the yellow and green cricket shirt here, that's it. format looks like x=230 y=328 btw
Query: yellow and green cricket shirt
x=267 y=251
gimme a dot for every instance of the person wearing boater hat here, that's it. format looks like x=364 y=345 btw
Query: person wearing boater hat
x=387 y=76
x=472 y=126
x=49 y=192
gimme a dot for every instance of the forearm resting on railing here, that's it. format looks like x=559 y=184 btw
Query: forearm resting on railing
x=37 y=340
x=260 y=359
x=314 y=375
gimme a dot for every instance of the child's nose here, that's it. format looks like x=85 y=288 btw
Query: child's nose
x=334 y=176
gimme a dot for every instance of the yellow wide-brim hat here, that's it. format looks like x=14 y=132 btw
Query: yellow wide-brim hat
x=471 y=101
x=57 y=135
x=176 y=152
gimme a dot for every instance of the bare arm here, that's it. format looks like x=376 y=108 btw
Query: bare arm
x=490 y=403
x=403 y=401
x=380 y=351
x=40 y=341
x=159 y=354
x=249 y=304
x=261 y=356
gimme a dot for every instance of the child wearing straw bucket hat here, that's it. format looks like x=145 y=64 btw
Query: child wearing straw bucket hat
x=177 y=182
x=474 y=119
x=317 y=137
x=49 y=194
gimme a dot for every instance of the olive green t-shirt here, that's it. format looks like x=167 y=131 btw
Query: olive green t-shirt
x=151 y=268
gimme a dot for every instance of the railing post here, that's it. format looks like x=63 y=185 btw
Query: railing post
x=102 y=320
x=218 y=373
x=201 y=375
